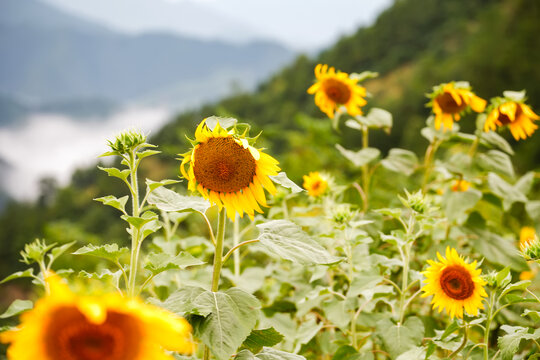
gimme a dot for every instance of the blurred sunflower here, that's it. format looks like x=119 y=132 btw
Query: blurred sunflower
x=449 y=101
x=228 y=171
x=514 y=113
x=454 y=284
x=529 y=244
x=460 y=185
x=65 y=326
x=333 y=90
x=315 y=184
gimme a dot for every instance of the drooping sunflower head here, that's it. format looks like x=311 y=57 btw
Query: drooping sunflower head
x=455 y=285
x=460 y=185
x=66 y=326
x=226 y=169
x=335 y=89
x=315 y=183
x=449 y=101
x=511 y=110
x=529 y=244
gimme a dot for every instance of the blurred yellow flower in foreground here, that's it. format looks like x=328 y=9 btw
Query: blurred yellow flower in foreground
x=334 y=89
x=454 y=284
x=518 y=116
x=450 y=100
x=65 y=326
x=315 y=184
x=228 y=171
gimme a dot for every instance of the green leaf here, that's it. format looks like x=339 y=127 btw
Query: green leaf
x=359 y=158
x=108 y=251
x=496 y=140
x=393 y=212
x=533 y=209
x=450 y=329
x=346 y=352
x=116 y=203
x=505 y=191
x=284 y=181
x=533 y=314
x=413 y=354
x=19 y=274
x=363 y=282
x=515 y=299
x=267 y=354
x=503 y=277
x=519 y=286
x=398 y=339
x=525 y=183
x=153 y=185
x=139 y=221
x=401 y=161
x=456 y=203
x=185 y=302
x=17 y=307
x=260 y=338
x=146 y=153
x=159 y=262
x=290 y=242
x=495 y=160
x=57 y=251
x=376 y=118
x=509 y=343
x=104 y=274
x=497 y=249
x=116 y=172
x=168 y=200
x=233 y=315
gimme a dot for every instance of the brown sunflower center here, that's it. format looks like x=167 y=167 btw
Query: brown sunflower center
x=337 y=91
x=449 y=105
x=456 y=282
x=223 y=165
x=70 y=336
x=505 y=120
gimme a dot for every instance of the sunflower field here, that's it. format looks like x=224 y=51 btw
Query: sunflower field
x=415 y=258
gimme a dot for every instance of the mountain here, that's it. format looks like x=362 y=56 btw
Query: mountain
x=48 y=55
x=414 y=45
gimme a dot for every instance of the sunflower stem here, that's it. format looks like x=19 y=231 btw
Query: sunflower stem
x=236 y=241
x=135 y=246
x=404 y=286
x=463 y=343
x=218 y=262
x=488 y=326
x=218 y=256
x=365 y=168
x=428 y=162
x=474 y=146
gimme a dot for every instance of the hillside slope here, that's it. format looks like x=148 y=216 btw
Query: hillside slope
x=414 y=45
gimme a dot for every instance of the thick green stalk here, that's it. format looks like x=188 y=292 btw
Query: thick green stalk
x=488 y=325
x=365 y=168
x=236 y=241
x=405 y=281
x=135 y=246
x=218 y=262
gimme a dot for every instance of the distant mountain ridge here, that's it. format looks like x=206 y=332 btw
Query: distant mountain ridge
x=48 y=55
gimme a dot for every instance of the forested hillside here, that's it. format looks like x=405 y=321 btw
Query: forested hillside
x=413 y=45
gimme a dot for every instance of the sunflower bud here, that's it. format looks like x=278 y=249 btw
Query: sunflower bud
x=341 y=214
x=529 y=244
x=35 y=252
x=415 y=201
x=127 y=141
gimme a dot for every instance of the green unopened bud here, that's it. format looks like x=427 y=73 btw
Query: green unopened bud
x=35 y=252
x=341 y=214
x=415 y=201
x=127 y=141
x=491 y=278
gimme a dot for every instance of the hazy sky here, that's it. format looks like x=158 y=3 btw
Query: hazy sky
x=300 y=24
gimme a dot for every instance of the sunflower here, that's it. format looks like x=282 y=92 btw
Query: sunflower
x=518 y=116
x=460 y=185
x=315 y=184
x=450 y=100
x=65 y=326
x=454 y=284
x=228 y=171
x=333 y=90
x=529 y=244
